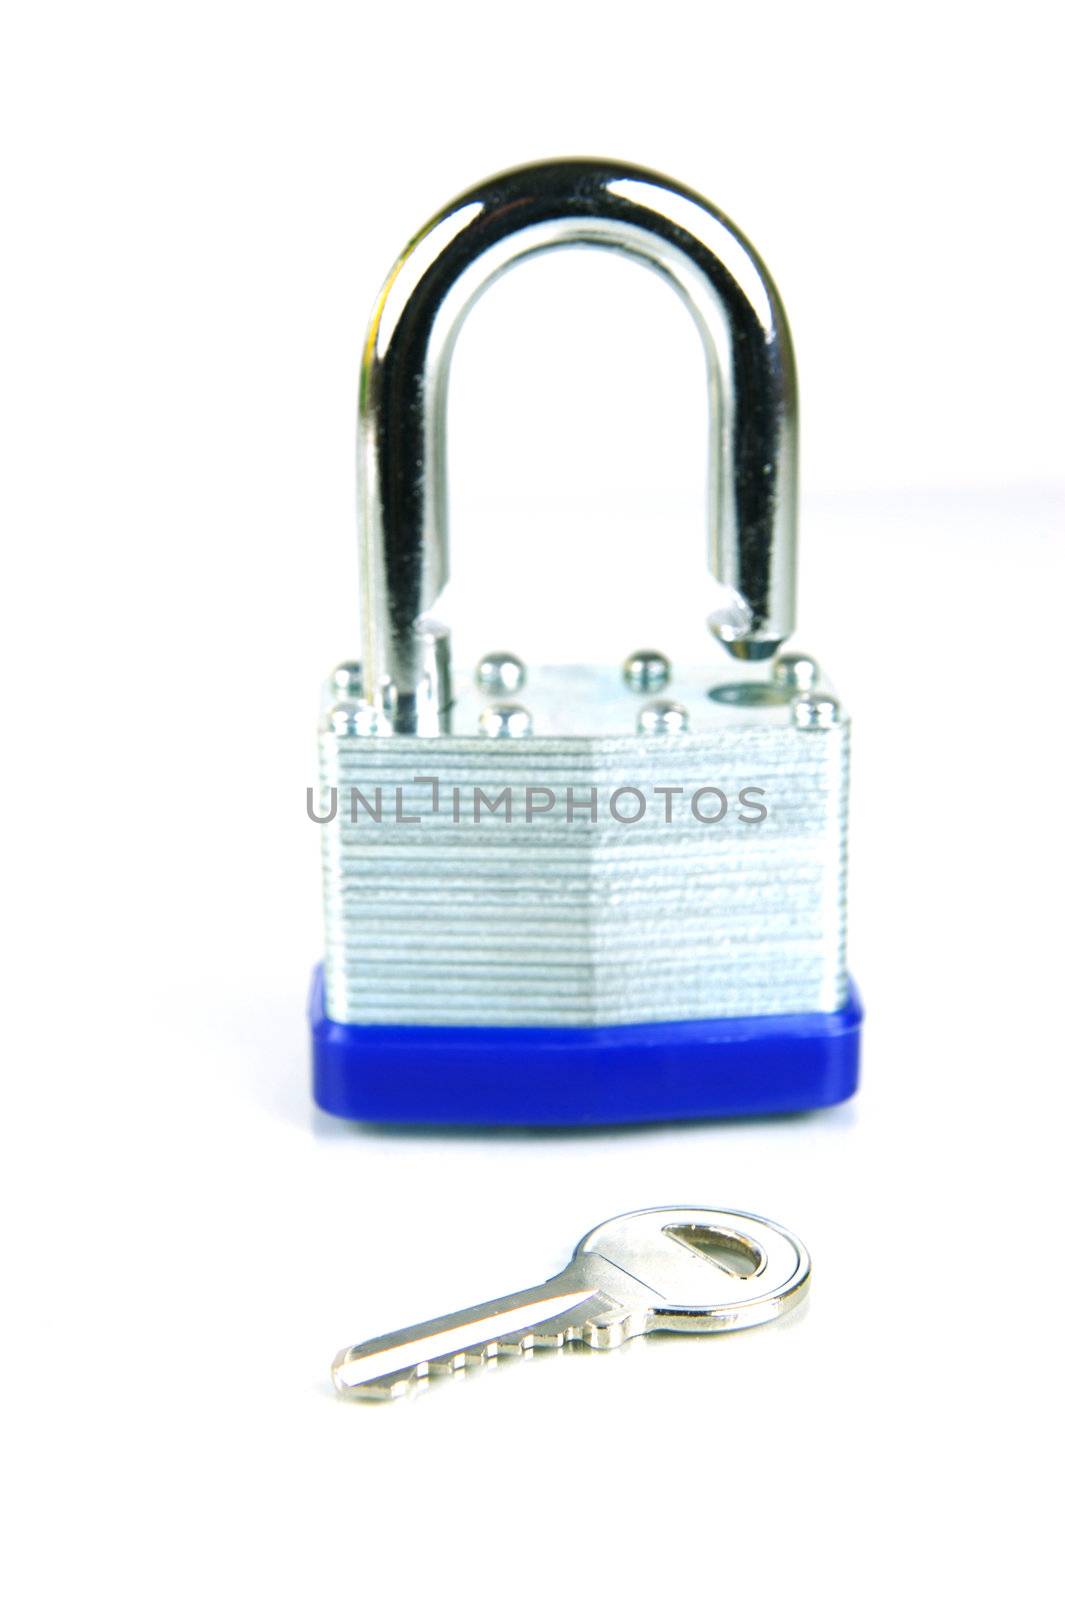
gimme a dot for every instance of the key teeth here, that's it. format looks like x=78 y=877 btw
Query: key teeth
x=604 y=1331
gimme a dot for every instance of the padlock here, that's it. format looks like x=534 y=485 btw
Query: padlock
x=581 y=894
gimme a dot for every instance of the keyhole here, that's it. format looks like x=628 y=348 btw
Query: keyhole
x=739 y=1257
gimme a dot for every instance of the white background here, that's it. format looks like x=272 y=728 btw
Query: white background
x=200 y=202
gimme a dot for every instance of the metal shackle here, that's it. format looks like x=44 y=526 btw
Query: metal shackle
x=403 y=398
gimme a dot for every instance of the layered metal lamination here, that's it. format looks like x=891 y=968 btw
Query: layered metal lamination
x=440 y=910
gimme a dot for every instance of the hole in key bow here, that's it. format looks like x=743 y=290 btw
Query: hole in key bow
x=739 y=1257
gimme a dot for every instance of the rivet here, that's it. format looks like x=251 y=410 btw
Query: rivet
x=796 y=672
x=814 y=711
x=503 y=721
x=347 y=678
x=662 y=716
x=500 y=673
x=355 y=718
x=647 y=670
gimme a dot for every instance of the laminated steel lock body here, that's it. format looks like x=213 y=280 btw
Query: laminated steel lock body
x=539 y=951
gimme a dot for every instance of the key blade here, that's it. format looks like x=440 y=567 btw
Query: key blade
x=549 y=1316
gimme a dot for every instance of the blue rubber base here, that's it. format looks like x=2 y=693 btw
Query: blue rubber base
x=643 y=1072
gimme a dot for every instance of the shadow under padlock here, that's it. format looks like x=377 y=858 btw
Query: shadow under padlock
x=593 y=893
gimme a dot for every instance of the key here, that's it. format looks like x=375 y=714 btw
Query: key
x=687 y=1269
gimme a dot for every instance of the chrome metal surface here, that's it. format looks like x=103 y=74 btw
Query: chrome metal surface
x=467 y=917
x=815 y=710
x=662 y=716
x=796 y=672
x=353 y=718
x=404 y=378
x=681 y=1269
x=347 y=679
x=505 y=721
x=500 y=673
x=428 y=708
x=646 y=671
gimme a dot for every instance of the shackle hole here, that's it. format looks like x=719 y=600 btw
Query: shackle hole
x=577 y=447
